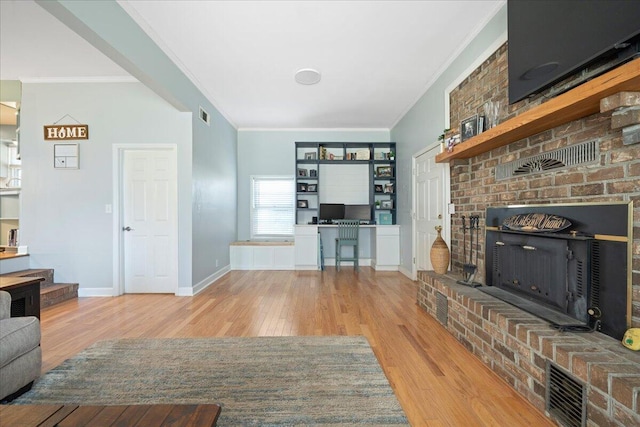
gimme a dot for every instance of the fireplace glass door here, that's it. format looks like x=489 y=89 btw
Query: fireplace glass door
x=532 y=267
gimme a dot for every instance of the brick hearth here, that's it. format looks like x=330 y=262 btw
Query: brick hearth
x=517 y=346
x=474 y=187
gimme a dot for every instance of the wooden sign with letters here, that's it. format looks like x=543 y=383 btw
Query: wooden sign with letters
x=536 y=222
x=66 y=132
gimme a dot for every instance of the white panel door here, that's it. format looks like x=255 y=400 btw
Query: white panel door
x=150 y=221
x=429 y=205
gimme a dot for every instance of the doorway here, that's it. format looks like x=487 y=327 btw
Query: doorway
x=145 y=219
x=431 y=198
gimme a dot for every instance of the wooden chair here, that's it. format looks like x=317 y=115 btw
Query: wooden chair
x=348 y=231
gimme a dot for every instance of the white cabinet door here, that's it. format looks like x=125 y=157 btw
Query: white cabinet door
x=387 y=247
x=306 y=247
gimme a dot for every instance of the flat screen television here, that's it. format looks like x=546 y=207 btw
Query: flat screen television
x=550 y=40
x=359 y=212
x=331 y=211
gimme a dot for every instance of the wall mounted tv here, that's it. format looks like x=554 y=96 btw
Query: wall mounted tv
x=550 y=40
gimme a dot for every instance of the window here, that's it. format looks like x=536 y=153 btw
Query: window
x=272 y=207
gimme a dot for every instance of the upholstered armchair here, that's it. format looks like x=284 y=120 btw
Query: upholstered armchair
x=20 y=353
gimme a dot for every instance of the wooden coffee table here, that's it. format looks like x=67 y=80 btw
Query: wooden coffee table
x=25 y=294
x=103 y=416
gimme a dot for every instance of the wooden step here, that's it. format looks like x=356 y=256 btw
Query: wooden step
x=56 y=293
x=47 y=273
x=51 y=293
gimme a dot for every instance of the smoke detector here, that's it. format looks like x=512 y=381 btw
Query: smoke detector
x=307 y=76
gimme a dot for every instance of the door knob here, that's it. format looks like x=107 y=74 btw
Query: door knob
x=127 y=228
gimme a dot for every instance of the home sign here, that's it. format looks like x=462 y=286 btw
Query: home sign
x=66 y=132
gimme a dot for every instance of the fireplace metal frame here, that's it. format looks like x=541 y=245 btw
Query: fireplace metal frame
x=608 y=227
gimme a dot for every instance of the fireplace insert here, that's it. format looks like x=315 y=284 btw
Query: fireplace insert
x=568 y=264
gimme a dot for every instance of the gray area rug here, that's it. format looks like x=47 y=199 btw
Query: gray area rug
x=257 y=381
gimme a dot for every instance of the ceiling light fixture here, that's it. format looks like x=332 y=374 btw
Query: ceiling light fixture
x=307 y=76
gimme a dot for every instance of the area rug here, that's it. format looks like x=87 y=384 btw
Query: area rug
x=257 y=381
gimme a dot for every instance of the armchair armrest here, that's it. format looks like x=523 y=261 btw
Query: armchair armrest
x=5 y=305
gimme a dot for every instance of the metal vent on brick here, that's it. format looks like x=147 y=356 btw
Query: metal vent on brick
x=565 y=157
x=595 y=274
x=565 y=398
x=580 y=279
x=442 y=308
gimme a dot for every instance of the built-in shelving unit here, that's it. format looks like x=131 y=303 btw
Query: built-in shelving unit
x=579 y=102
x=9 y=212
x=378 y=156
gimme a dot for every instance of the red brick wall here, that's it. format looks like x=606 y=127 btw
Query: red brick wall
x=473 y=185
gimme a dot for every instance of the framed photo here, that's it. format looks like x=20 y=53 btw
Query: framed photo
x=302 y=172
x=386 y=204
x=385 y=219
x=302 y=187
x=312 y=188
x=303 y=203
x=388 y=188
x=379 y=188
x=469 y=127
x=310 y=156
x=384 y=171
x=313 y=173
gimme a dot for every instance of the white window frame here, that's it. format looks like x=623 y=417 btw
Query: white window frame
x=252 y=208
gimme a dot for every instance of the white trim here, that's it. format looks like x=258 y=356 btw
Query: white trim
x=186 y=291
x=375 y=129
x=502 y=38
x=96 y=79
x=362 y=262
x=406 y=273
x=446 y=192
x=252 y=179
x=95 y=292
x=117 y=160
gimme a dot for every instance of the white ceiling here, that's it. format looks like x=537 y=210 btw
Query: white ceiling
x=376 y=58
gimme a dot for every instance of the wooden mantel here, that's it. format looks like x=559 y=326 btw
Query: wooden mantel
x=579 y=102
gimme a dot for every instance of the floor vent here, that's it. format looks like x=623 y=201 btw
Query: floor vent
x=566 y=398
x=442 y=308
x=579 y=154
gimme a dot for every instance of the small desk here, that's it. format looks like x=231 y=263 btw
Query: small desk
x=104 y=416
x=382 y=242
x=25 y=294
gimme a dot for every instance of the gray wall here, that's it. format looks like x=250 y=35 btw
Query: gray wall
x=425 y=121
x=63 y=219
x=206 y=233
x=265 y=152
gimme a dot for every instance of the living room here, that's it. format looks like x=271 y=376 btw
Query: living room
x=212 y=182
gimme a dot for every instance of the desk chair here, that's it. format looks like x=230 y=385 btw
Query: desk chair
x=348 y=231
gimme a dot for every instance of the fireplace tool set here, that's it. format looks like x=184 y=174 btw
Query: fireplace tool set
x=469 y=268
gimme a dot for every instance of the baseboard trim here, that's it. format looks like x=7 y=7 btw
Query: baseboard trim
x=203 y=284
x=95 y=292
x=407 y=273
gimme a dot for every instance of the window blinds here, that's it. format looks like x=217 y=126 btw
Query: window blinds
x=272 y=207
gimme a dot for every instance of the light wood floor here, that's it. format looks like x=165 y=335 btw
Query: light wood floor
x=436 y=380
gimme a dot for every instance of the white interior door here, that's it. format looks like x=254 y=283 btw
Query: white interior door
x=430 y=203
x=149 y=221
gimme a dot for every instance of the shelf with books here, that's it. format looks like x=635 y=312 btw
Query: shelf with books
x=313 y=157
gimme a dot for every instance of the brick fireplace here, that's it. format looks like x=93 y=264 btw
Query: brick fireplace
x=518 y=346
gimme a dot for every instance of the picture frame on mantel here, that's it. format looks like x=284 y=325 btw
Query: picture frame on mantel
x=469 y=127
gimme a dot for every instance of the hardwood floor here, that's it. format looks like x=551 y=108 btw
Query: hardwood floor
x=436 y=380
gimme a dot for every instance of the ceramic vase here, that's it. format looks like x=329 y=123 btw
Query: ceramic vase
x=440 y=255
